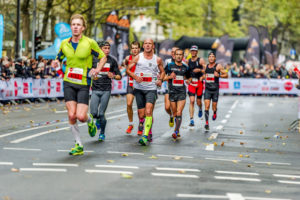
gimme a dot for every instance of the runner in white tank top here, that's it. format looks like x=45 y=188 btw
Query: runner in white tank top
x=149 y=73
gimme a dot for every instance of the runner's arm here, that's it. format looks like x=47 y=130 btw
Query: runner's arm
x=130 y=73
x=117 y=73
x=97 y=52
x=161 y=71
x=222 y=71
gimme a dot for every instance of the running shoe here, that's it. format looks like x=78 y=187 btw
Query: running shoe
x=200 y=113
x=143 y=141
x=175 y=135
x=77 y=150
x=150 y=137
x=214 y=117
x=171 y=122
x=98 y=125
x=101 y=137
x=192 y=123
x=206 y=126
x=92 y=127
x=129 y=129
x=140 y=129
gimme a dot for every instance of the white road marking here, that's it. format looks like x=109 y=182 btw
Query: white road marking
x=237 y=178
x=219 y=127
x=63 y=150
x=202 y=196
x=227 y=116
x=286 y=176
x=30 y=129
x=224 y=121
x=213 y=136
x=210 y=147
x=229 y=111
x=172 y=156
x=60 y=111
x=176 y=169
x=270 y=104
x=234 y=104
x=118 y=166
x=107 y=171
x=207 y=196
x=21 y=149
x=235 y=196
x=240 y=173
x=6 y=163
x=272 y=163
x=175 y=175
x=55 y=164
x=222 y=159
x=120 y=152
x=42 y=170
x=289 y=182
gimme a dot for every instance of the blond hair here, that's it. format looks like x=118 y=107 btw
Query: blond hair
x=78 y=16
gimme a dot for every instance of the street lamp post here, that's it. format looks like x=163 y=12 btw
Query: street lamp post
x=17 y=47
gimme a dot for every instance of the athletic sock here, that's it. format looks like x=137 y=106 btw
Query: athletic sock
x=148 y=125
x=178 y=123
x=76 y=134
x=89 y=119
x=206 y=115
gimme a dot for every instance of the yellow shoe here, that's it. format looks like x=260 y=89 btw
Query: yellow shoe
x=171 y=122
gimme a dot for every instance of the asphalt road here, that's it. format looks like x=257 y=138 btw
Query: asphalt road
x=239 y=158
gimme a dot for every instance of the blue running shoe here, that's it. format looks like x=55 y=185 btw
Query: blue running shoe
x=101 y=137
x=192 y=124
x=200 y=113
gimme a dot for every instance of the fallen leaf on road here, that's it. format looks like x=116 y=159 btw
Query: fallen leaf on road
x=17 y=108
x=27 y=109
x=124 y=175
x=266 y=149
x=215 y=144
x=242 y=143
x=177 y=157
x=249 y=165
x=266 y=125
x=283 y=144
x=235 y=161
x=241 y=132
x=247 y=156
x=7 y=198
x=54 y=109
x=255 y=151
x=14 y=170
x=268 y=191
x=266 y=138
x=31 y=121
x=222 y=144
x=124 y=154
x=181 y=171
x=5 y=112
x=269 y=163
x=110 y=161
x=241 y=155
x=153 y=157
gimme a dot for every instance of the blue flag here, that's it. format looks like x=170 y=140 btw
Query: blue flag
x=1 y=34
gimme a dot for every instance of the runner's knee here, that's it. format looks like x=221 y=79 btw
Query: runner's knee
x=81 y=117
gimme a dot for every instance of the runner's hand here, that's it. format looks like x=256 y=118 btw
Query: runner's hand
x=173 y=75
x=216 y=74
x=159 y=83
x=196 y=70
x=187 y=81
x=138 y=79
x=93 y=72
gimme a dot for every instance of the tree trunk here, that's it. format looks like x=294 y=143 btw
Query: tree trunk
x=90 y=17
x=46 y=18
x=53 y=22
x=26 y=23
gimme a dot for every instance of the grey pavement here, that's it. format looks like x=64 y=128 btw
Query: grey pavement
x=248 y=153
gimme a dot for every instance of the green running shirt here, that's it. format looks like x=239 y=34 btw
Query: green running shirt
x=79 y=61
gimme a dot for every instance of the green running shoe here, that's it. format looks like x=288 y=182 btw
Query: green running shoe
x=92 y=127
x=77 y=150
x=144 y=140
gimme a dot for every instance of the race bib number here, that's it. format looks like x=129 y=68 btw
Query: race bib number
x=105 y=69
x=194 y=82
x=147 y=77
x=178 y=81
x=210 y=78
x=75 y=75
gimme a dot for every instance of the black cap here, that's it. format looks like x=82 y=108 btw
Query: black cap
x=213 y=53
x=103 y=43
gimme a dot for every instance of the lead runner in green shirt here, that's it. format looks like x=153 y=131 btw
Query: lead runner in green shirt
x=79 y=51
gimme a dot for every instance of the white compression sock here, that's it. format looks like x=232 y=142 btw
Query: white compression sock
x=76 y=134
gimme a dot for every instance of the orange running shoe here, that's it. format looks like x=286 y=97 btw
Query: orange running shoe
x=129 y=129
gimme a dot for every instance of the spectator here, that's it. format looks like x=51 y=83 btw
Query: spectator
x=284 y=72
x=234 y=70
x=20 y=73
x=291 y=74
x=7 y=71
x=241 y=72
x=273 y=73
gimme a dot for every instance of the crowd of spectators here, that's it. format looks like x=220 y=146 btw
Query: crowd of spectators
x=244 y=70
x=26 y=68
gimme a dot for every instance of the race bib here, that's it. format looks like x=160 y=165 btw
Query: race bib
x=178 y=81
x=210 y=78
x=147 y=77
x=194 y=82
x=105 y=69
x=75 y=75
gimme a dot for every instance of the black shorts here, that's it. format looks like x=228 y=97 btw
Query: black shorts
x=166 y=92
x=78 y=93
x=177 y=96
x=130 y=90
x=209 y=94
x=145 y=96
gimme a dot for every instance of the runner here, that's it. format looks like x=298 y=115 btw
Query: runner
x=195 y=88
x=79 y=51
x=101 y=88
x=135 y=50
x=176 y=73
x=212 y=73
x=167 y=101
x=148 y=68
